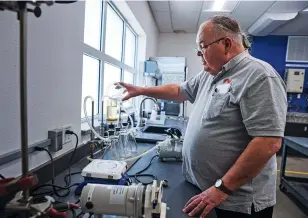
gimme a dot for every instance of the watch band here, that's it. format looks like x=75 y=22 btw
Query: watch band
x=220 y=185
x=225 y=189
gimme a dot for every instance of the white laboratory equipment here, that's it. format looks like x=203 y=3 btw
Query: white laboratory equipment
x=295 y=80
x=105 y=169
x=134 y=201
x=170 y=148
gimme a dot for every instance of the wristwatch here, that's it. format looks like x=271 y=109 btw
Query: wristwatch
x=220 y=185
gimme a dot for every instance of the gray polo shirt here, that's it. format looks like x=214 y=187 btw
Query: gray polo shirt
x=245 y=100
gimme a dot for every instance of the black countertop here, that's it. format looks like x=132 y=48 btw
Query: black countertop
x=175 y=195
x=152 y=137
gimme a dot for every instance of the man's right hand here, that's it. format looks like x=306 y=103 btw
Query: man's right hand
x=132 y=91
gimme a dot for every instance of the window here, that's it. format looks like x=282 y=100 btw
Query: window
x=92 y=29
x=112 y=74
x=109 y=51
x=90 y=82
x=128 y=77
x=130 y=47
x=114 y=34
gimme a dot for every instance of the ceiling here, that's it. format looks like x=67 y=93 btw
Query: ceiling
x=255 y=17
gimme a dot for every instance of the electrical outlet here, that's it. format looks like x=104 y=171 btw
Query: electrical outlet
x=55 y=136
x=66 y=138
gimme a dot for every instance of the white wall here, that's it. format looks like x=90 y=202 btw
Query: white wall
x=144 y=16
x=54 y=76
x=55 y=49
x=182 y=45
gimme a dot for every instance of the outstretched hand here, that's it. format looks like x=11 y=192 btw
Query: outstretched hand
x=132 y=91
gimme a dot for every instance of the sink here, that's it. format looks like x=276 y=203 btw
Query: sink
x=157 y=129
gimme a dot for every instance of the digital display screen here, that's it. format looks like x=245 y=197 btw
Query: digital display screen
x=296 y=73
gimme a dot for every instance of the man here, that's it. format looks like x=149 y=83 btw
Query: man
x=235 y=128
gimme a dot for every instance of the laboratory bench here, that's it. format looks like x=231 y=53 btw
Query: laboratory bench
x=175 y=195
x=296 y=186
x=178 y=191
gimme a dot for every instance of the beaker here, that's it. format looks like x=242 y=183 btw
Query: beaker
x=124 y=145
x=112 y=101
x=131 y=140
x=114 y=149
x=112 y=110
x=113 y=145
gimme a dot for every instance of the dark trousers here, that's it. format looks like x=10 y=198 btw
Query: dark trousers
x=266 y=213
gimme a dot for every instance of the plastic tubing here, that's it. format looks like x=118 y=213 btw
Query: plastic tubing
x=104 y=139
x=146 y=152
x=89 y=122
x=87 y=118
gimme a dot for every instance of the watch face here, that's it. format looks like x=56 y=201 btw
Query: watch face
x=218 y=183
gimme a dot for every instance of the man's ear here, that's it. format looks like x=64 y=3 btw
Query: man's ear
x=228 y=44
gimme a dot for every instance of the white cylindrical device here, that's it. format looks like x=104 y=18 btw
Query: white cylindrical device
x=113 y=200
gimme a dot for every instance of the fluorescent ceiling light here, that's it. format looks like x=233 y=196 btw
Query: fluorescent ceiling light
x=218 y=5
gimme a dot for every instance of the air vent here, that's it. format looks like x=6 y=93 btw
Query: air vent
x=297 y=50
x=269 y=22
x=179 y=31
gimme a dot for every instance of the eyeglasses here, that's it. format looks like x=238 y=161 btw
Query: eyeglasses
x=201 y=49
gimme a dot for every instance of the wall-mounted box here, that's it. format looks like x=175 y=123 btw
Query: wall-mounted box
x=151 y=69
x=295 y=80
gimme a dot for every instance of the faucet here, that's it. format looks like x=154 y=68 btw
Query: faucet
x=141 y=124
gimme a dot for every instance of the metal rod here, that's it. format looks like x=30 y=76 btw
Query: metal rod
x=120 y=121
x=102 y=113
x=102 y=122
x=23 y=93
x=92 y=134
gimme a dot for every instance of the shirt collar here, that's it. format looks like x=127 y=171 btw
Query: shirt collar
x=234 y=61
x=231 y=64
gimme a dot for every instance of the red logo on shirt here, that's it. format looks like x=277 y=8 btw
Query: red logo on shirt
x=227 y=81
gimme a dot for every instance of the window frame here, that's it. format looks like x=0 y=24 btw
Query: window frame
x=102 y=57
x=99 y=85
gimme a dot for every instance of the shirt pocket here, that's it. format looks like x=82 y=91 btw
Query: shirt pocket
x=216 y=105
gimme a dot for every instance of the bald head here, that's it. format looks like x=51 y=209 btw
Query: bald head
x=221 y=26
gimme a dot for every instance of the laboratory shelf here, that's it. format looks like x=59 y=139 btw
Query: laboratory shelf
x=296 y=186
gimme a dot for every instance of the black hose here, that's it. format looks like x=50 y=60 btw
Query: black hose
x=65 y=2
x=56 y=188
x=137 y=175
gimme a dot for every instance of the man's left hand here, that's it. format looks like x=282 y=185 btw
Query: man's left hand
x=205 y=201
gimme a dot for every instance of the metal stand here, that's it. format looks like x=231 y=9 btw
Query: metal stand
x=92 y=120
x=19 y=188
x=22 y=16
x=296 y=186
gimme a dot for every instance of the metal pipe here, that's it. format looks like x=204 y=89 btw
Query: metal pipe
x=102 y=113
x=92 y=134
x=141 y=124
x=23 y=92
x=102 y=121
